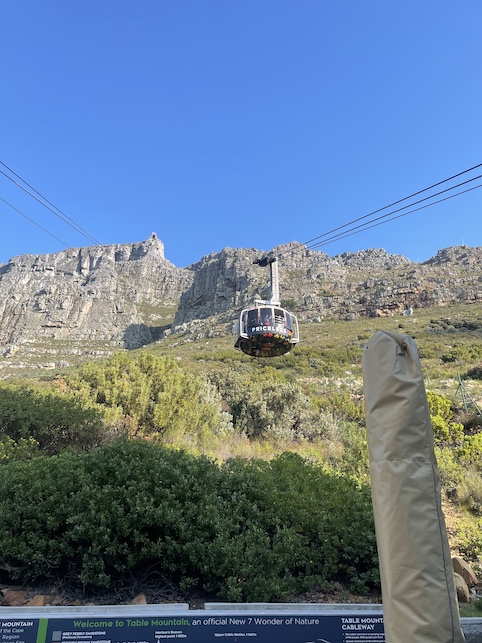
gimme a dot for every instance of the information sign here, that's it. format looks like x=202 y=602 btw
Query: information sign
x=200 y=627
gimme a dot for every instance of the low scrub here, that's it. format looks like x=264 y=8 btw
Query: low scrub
x=469 y=492
x=152 y=397
x=470 y=540
x=51 y=420
x=245 y=530
x=268 y=407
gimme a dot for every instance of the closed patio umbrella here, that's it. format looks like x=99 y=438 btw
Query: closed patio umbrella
x=418 y=592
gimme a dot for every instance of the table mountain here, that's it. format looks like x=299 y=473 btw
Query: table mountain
x=129 y=295
x=123 y=294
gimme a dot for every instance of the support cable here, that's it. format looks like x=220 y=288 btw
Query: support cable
x=47 y=204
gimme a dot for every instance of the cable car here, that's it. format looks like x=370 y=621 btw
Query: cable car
x=266 y=329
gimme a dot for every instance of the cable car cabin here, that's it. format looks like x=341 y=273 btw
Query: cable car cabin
x=266 y=331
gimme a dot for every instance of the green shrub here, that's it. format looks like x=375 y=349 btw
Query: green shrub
x=475 y=373
x=270 y=408
x=94 y=516
x=469 y=492
x=152 y=396
x=334 y=513
x=353 y=460
x=53 y=419
x=462 y=354
x=343 y=404
x=24 y=449
x=248 y=530
x=444 y=430
x=300 y=527
x=470 y=453
x=439 y=405
x=470 y=538
x=449 y=467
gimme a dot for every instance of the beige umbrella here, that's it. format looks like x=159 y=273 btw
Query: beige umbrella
x=419 y=599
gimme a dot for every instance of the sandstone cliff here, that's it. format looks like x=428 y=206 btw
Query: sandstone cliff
x=123 y=294
x=130 y=295
x=366 y=283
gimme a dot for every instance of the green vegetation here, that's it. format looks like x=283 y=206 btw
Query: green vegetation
x=244 y=478
x=474 y=610
x=51 y=419
x=245 y=530
x=152 y=397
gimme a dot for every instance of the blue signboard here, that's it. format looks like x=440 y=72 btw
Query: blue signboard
x=202 y=627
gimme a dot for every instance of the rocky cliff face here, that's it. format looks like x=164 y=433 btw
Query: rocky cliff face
x=130 y=295
x=122 y=294
x=314 y=285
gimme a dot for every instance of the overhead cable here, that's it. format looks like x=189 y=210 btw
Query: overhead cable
x=349 y=229
x=367 y=225
x=361 y=227
x=47 y=204
x=390 y=205
x=34 y=222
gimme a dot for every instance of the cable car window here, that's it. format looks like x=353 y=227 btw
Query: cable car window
x=253 y=319
x=279 y=316
x=266 y=316
x=288 y=320
x=244 y=322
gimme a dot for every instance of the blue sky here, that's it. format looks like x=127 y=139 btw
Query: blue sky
x=221 y=123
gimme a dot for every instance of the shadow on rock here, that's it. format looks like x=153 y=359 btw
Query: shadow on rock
x=137 y=335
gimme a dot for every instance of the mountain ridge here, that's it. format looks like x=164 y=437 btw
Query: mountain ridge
x=130 y=295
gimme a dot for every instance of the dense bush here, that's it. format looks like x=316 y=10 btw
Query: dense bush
x=444 y=430
x=439 y=405
x=453 y=325
x=352 y=459
x=343 y=404
x=248 y=530
x=475 y=372
x=52 y=419
x=152 y=396
x=470 y=453
x=271 y=408
x=449 y=467
x=470 y=538
x=326 y=360
x=469 y=492
x=462 y=354
x=22 y=449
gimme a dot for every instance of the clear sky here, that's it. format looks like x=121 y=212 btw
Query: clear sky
x=220 y=123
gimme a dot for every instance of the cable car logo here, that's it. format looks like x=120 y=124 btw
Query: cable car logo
x=278 y=328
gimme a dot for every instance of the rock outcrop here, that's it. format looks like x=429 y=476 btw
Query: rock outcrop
x=367 y=283
x=122 y=294
x=130 y=295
